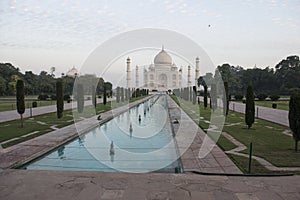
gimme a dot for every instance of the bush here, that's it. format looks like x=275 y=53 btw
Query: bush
x=274 y=105
x=274 y=97
x=262 y=97
x=99 y=97
x=53 y=97
x=34 y=104
x=238 y=97
x=67 y=97
x=43 y=97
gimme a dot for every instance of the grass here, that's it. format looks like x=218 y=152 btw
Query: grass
x=6 y=105
x=43 y=123
x=243 y=163
x=281 y=104
x=267 y=138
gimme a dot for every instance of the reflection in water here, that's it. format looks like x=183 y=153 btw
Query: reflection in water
x=81 y=140
x=105 y=127
x=112 y=149
x=60 y=152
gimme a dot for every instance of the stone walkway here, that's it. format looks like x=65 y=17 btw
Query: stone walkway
x=13 y=114
x=26 y=184
x=240 y=147
x=199 y=152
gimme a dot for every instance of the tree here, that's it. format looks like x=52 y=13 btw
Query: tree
x=294 y=116
x=104 y=95
x=2 y=86
x=250 y=107
x=94 y=98
x=20 y=99
x=59 y=99
x=205 y=96
x=226 y=99
x=194 y=94
x=213 y=96
x=80 y=98
x=122 y=94
x=118 y=94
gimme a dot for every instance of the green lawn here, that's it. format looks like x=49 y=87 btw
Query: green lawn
x=42 y=123
x=267 y=138
x=282 y=105
x=6 y=105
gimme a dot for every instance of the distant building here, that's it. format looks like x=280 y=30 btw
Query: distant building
x=72 y=72
x=163 y=74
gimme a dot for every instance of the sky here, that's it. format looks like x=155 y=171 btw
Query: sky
x=37 y=35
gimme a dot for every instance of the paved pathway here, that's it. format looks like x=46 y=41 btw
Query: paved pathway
x=199 y=152
x=274 y=115
x=26 y=184
x=13 y=114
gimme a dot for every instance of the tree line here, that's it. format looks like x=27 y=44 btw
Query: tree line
x=43 y=83
x=280 y=80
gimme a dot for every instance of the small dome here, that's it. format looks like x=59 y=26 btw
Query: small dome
x=163 y=58
x=73 y=72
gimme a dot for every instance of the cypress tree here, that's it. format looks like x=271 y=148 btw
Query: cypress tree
x=20 y=99
x=104 y=95
x=118 y=94
x=80 y=98
x=94 y=98
x=191 y=94
x=250 y=107
x=213 y=96
x=225 y=99
x=126 y=94
x=294 y=116
x=59 y=99
x=194 y=94
x=205 y=96
x=122 y=94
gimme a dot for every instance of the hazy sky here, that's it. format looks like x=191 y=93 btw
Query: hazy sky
x=35 y=35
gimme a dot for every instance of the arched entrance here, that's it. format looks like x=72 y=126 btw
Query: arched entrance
x=162 y=82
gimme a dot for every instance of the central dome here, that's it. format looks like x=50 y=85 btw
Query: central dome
x=163 y=58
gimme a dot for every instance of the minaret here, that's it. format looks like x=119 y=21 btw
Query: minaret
x=189 y=77
x=197 y=71
x=128 y=72
x=136 y=77
x=180 y=78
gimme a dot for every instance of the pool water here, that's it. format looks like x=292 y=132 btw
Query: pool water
x=124 y=143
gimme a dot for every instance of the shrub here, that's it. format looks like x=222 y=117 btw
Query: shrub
x=238 y=97
x=99 y=96
x=274 y=105
x=43 y=97
x=262 y=97
x=34 y=104
x=67 y=97
x=274 y=97
x=53 y=97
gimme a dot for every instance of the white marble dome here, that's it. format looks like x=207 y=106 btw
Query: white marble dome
x=163 y=58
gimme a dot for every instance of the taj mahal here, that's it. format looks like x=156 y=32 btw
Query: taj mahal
x=163 y=74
